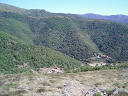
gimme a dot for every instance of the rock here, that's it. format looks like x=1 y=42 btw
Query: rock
x=23 y=87
x=93 y=91
x=72 y=88
x=3 y=93
x=120 y=90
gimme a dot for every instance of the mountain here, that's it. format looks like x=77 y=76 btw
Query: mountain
x=114 y=18
x=17 y=56
x=32 y=12
x=56 y=32
x=64 y=35
x=39 y=13
x=10 y=8
x=76 y=36
x=110 y=37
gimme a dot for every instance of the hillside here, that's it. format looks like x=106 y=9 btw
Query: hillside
x=17 y=29
x=62 y=34
x=10 y=8
x=32 y=12
x=75 y=36
x=110 y=37
x=17 y=56
x=59 y=33
x=77 y=84
x=58 y=54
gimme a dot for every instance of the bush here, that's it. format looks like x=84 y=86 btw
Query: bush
x=97 y=94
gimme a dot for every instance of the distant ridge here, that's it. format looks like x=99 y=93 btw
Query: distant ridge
x=116 y=18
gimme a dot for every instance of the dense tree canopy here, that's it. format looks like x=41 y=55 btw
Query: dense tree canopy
x=17 y=56
x=70 y=34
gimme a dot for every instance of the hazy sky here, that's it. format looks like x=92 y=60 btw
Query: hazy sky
x=105 y=7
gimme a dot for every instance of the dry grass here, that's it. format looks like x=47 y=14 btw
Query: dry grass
x=29 y=84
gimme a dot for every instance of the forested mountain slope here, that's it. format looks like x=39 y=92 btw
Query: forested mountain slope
x=111 y=38
x=59 y=33
x=70 y=34
x=17 y=56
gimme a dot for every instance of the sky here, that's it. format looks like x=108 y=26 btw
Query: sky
x=104 y=7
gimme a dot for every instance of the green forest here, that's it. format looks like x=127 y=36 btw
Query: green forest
x=32 y=39
x=16 y=56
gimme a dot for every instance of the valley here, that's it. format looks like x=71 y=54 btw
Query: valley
x=58 y=54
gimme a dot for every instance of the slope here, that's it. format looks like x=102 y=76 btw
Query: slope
x=17 y=29
x=75 y=36
x=111 y=38
x=59 y=33
x=62 y=34
x=16 y=56
x=6 y=7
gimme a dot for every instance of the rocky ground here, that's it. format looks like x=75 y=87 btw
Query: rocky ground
x=66 y=84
